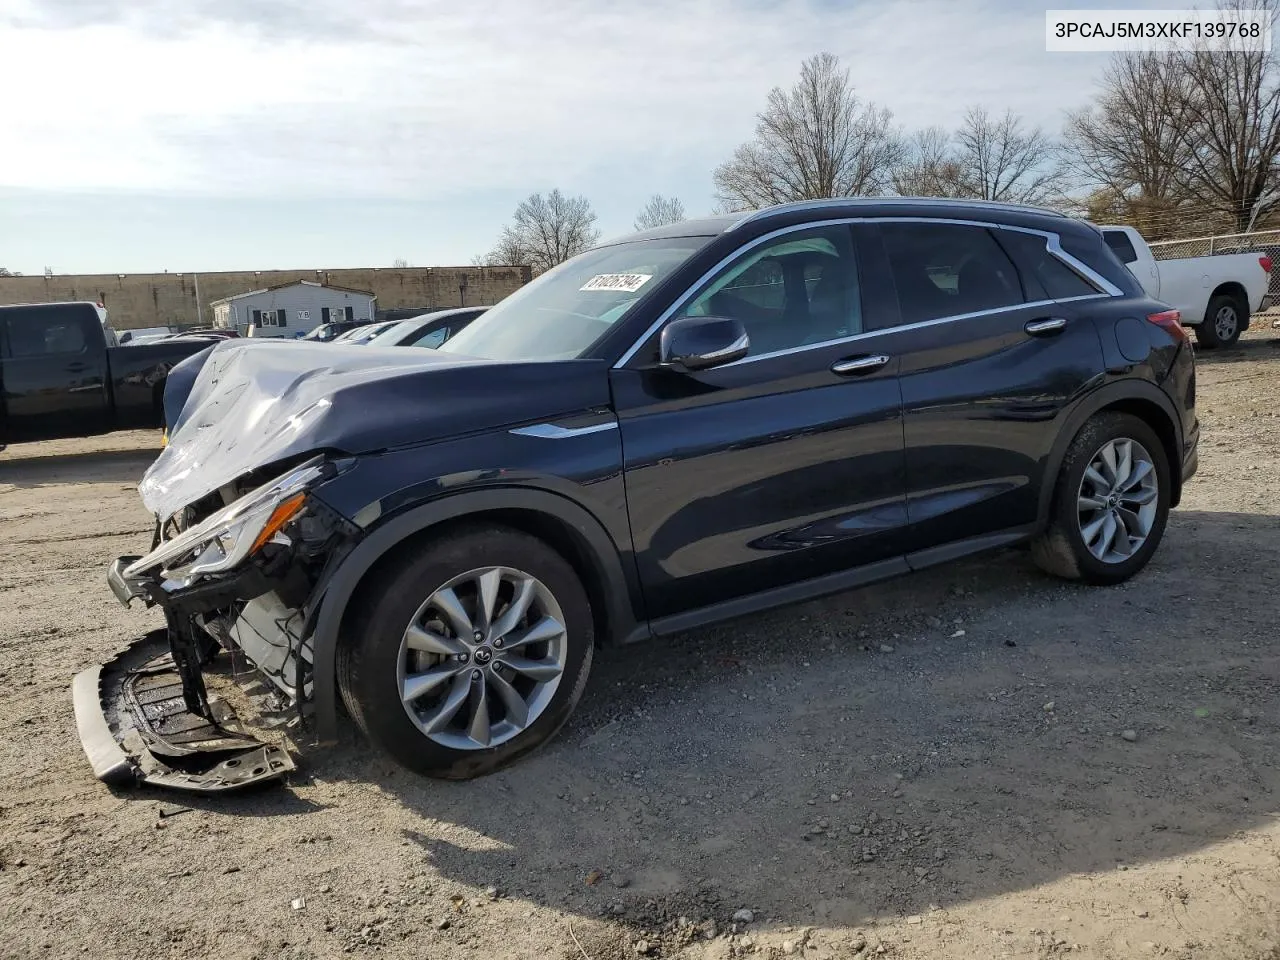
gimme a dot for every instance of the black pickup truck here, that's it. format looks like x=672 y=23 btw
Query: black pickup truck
x=63 y=374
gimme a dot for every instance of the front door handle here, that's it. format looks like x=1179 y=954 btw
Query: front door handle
x=856 y=366
x=1045 y=327
x=77 y=367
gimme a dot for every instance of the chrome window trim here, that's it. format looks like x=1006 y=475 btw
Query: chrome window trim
x=1052 y=242
x=838 y=203
x=552 y=431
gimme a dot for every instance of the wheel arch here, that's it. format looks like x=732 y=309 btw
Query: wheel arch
x=1235 y=290
x=564 y=525
x=1143 y=400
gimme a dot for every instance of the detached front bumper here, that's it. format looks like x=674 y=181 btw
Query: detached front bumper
x=145 y=716
x=136 y=727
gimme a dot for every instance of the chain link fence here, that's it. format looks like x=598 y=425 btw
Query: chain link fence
x=1259 y=241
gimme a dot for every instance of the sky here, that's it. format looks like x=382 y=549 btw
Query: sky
x=200 y=135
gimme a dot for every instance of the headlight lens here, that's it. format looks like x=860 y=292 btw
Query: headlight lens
x=224 y=540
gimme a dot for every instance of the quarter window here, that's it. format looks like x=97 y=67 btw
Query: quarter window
x=1045 y=275
x=797 y=290
x=944 y=270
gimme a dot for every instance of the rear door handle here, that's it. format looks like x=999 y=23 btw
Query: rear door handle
x=76 y=367
x=1045 y=327
x=856 y=366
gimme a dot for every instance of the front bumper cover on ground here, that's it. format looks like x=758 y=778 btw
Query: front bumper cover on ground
x=136 y=727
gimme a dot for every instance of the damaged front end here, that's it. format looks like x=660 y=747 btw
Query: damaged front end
x=239 y=575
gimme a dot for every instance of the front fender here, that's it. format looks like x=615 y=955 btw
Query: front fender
x=335 y=593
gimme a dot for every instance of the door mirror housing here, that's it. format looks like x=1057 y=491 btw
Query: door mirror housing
x=699 y=343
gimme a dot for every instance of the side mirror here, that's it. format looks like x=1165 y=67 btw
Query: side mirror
x=698 y=343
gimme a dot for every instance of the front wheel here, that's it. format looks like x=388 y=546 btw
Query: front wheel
x=1224 y=321
x=468 y=653
x=1110 y=505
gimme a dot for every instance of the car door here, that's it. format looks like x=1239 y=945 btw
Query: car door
x=777 y=468
x=54 y=372
x=994 y=357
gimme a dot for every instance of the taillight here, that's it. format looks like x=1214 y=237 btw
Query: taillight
x=1265 y=263
x=1170 y=321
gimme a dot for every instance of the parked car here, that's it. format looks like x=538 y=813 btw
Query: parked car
x=63 y=375
x=363 y=334
x=690 y=424
x=1216 y=294
x=429 y=330
x=326 y=332
x=139 y=335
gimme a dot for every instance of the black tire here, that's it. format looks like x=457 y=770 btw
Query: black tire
x=1060 y=549
x=369 y=655
x=1207 y=334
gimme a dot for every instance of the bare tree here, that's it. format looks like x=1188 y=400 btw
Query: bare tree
x=5 y=272
x=399 y=263
x=930 y=167
x=819 y=139
x=545 y=230
x=507 y=252
x=1001 y=160
x=659 y=211
x=1231 y=114
x=1132 y=144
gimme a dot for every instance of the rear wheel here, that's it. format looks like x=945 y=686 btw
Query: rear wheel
x=1224 y=321
x=469 y=653
x=1110 y=504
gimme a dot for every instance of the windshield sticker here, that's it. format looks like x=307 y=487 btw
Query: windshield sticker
x=617 y=282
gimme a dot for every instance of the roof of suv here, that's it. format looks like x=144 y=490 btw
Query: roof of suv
x=1014 y=213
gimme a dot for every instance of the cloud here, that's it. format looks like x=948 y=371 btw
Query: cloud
x=392 y=98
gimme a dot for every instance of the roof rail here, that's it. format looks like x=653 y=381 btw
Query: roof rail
x=854 y=202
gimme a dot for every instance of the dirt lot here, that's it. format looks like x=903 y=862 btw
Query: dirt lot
x=975 y=762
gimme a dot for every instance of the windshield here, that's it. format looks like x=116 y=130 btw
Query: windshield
x=561 y=313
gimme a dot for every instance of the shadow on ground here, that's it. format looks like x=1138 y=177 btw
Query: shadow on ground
x=791 y=763
x=94 y=466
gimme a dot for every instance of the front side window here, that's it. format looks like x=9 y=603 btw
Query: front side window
x=944 y=270
x=563 y=312
x=793 y=291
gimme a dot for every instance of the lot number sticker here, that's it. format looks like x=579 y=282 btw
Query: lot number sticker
x=617 y=282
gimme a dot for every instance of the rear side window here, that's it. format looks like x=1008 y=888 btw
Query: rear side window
x=41 y=332
x=1120 y=245
x=944 y=270
x=1045 y=276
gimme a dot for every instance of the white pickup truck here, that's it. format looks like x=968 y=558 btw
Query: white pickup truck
x=1214 y=294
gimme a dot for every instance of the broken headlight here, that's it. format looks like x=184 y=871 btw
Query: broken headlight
x=224 y=540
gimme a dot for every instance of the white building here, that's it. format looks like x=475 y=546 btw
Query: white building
x=291 y=309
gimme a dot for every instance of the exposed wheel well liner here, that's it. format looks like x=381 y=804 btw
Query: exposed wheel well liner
x=564 y=525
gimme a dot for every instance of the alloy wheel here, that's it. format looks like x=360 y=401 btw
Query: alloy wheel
x=1118 y=500
x=1225 y=322
x=482 y=658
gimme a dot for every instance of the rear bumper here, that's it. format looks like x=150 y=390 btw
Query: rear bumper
x=1191 y=455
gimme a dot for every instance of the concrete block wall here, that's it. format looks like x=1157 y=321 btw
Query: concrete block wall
x=169 y=299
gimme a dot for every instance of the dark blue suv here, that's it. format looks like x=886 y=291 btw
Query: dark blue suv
x=689 y=424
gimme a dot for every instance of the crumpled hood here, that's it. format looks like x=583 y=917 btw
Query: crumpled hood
x=252 y=404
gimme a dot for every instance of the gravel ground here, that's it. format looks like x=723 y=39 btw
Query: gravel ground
x=977 y=761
